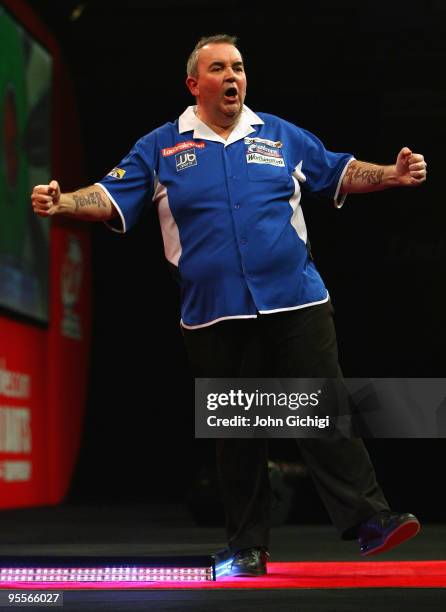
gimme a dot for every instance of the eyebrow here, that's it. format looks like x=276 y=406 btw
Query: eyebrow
x=221 y=63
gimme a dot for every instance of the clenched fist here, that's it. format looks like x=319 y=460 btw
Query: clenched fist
x=410 y=168
x=45 y=199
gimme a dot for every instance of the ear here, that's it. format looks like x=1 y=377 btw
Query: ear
x=192 y=85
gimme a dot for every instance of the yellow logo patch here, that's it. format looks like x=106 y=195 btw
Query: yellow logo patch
x=117 y=173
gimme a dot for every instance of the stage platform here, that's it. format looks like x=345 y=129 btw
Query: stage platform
x=164 y=529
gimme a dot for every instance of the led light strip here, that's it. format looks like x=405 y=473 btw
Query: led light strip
x=88 y=569
x=103 y=575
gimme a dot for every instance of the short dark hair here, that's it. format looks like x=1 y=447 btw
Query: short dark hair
x=192 y=62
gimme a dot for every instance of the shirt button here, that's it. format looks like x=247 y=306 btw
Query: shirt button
x=243 y=241
x=236 y=206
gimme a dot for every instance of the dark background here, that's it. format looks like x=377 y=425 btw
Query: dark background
x=367 y=78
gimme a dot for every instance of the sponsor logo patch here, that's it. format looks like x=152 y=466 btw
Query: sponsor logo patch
x=117 y=173
x=264 y=150
x=271 y=143
x=186 y=159
x=257 y=158
x=182 y=146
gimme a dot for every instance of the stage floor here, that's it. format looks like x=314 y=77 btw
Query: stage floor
x=162 y=529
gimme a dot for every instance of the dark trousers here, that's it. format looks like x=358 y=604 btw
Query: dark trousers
x=295 y=344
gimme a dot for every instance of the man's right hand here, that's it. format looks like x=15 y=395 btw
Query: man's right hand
x=45 y=199
x=86 y=204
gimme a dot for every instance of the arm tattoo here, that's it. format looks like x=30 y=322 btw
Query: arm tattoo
x=355 y=173
x=91 y=199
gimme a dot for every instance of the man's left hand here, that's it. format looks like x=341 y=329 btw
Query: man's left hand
x=410 y=168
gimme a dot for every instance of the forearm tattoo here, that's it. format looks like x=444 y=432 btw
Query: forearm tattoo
x=91 y=199
x=357 y=173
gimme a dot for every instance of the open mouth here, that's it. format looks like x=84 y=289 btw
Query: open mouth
x=231 y=94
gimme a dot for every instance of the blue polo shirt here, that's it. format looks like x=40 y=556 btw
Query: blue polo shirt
x=230 y=211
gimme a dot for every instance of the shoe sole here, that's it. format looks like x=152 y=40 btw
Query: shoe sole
x=247 y=574
x=398 y=536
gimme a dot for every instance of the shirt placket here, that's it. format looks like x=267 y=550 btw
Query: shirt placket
x=232 y=178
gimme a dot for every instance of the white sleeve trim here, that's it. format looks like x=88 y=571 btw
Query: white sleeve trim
x=340 y=202
x=298 y=174
x=115 y=204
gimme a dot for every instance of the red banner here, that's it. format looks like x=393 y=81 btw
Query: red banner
x=23 y=415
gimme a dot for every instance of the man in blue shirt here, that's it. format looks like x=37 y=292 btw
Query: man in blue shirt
x=227 y=185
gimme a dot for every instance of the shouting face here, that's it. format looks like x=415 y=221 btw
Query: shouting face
x=220 y=86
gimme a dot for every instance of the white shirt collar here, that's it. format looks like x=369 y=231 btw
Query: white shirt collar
x=189 y=121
